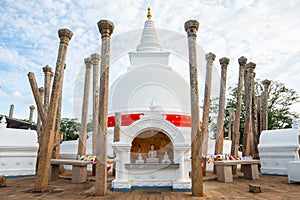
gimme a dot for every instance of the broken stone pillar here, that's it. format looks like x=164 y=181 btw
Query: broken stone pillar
x=95 y=58
x=32 y=107
x=117 y=132
x=236 y=128
x=85 y=103
x=254 y=188
x=105 y=28
x=248 y=110
x=117 y=128
x=11 y=110
x=220 y=123
x=41 y=182
x=265 y=98
x=191 y=27
x=210 y=57
x=2 y=181
x=47 y=85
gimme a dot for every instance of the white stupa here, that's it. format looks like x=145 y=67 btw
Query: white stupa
x=154 y=101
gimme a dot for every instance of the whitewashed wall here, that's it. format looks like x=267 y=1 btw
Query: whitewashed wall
x=18 y=151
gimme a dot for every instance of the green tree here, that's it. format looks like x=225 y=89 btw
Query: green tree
x=89 y=126
x=280 y=101
x=70 y=128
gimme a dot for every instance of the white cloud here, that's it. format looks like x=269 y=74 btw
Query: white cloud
x=266 y=32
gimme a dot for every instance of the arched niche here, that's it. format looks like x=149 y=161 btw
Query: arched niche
x=143 y=141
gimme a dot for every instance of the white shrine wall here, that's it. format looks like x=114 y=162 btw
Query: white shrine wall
x=277 y=148
x=18 y=151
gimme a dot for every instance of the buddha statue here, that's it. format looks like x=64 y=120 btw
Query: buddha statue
x=152 y=155
x=140 y=159
x=166 y=159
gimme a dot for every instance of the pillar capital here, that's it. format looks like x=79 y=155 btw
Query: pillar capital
x=105 y=27
x=266 y=82
x=210 y=57
x=88 y=62
x=242 y=61
x=191 y=27
x=65 y=35
x=47 y=69
x=95 y=58
x=224 y=62
x=250 y=67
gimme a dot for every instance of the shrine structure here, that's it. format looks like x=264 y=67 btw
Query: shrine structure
x=153 y=151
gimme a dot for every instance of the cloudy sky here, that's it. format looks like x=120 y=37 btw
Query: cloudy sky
x=265 y=31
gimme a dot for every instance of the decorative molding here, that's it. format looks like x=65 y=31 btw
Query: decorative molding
x=182 y=184
x=152 y=121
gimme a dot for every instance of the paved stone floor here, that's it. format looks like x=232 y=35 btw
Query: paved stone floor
x=273 y=187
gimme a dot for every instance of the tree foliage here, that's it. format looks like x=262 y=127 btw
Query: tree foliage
x=280 y=101
x=69 y=128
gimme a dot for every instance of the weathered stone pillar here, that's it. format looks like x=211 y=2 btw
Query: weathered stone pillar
x=259 y=115
x=105 y=28
x=57 y=138
x=210 y=57
x=248 y=109
x=266 y=84
x=11 y=111
x=39 y=128
x=117 y=132
x=95 y=61
x=191 y=27
x=95 y=58
x=41 y=182
x=85 y=103
x=117 y=128
x=236 y=135
x=231 y=122
x=220 y=123
x=39 y=121
x=32 y=107
x=47 y=85
x=254 y=139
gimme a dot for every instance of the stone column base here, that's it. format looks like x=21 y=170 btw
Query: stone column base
x=121 y=186
x=182 y=186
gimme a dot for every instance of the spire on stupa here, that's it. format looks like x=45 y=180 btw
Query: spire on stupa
x=149 y=41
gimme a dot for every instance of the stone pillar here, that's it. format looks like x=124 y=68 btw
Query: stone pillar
x=266 y=84
x=57 y=138
x=248 y=110
x=32 y=107
x=39 y=121
x=254 y=139
x=41 y=182
x=105 y=28
x=236 y=135
x=95 y=58
x=117 y=128
x=47 y=86
x=191 y=27
x=220 y=123
x=11 y=110
x=85 y=104
x=259 y=115
x=231 y=123
x=210 y=57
